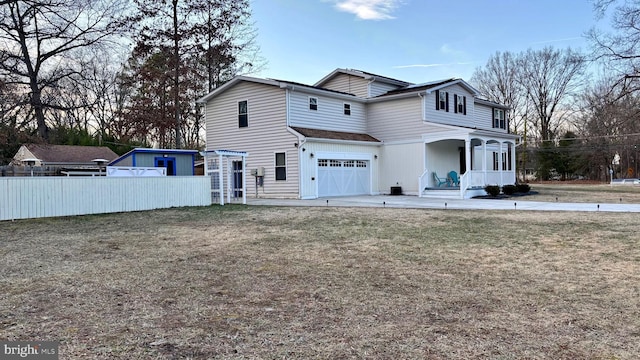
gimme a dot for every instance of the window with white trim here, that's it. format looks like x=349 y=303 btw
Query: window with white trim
x=499 y=120
x=281 y=166
x=442 y=100
x=460 y=104
x=243 y=113
x=313 y=103
x=347 y=109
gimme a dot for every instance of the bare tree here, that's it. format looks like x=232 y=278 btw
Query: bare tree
x=549 y=78
x=609 y=126
x=42 y=42
x=619 y=51
x=499 y=81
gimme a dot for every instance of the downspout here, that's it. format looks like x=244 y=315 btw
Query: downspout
x=422 y=101
x=424 y=149
x=301 y=139
x=369 y=86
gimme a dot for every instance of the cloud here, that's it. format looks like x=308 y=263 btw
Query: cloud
x=430 y=65
x=369 y=9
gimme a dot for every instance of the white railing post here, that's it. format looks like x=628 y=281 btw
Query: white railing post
x=422 y=183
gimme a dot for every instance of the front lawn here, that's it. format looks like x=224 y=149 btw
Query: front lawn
x=239 y=282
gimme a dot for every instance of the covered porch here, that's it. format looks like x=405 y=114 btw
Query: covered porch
x=474 y=158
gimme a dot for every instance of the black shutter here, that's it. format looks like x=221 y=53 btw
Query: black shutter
x=447 y=103
x=437 y=99
x=493 y=115
x=464 y=105
x=455 y=103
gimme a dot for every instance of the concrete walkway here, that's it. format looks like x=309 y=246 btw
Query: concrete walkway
x=415 y=202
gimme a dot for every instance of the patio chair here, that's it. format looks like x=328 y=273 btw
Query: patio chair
x=439 y=181
x=453 y=178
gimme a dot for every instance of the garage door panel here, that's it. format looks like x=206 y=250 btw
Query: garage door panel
x=343 y=177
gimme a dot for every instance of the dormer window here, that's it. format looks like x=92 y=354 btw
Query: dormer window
x=499 y=120
x=460 y=104
x=442 y=100
x=313 y=103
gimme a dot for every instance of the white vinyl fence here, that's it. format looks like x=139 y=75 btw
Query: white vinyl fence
x=35 y=197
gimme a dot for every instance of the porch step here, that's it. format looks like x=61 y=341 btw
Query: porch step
x=441 y=194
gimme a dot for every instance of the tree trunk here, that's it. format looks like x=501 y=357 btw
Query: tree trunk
x=176 y=75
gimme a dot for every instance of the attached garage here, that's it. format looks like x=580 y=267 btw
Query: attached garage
x=343 y=177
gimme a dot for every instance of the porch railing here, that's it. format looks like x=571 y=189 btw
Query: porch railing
x=464 y=183
x=482 y=178
x=423 y=181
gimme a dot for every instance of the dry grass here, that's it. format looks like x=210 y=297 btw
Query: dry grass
x=329 y=283
x=585 y=193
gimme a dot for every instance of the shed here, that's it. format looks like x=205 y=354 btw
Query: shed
x=67 y=156
x=177 y=161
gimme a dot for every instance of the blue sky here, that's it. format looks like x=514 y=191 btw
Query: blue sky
x=411 y=40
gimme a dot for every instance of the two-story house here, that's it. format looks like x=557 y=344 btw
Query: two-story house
x=355 y=132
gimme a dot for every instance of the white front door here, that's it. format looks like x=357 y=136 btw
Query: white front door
x=343 y=177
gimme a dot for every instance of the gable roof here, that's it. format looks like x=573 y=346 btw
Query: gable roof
x=283 y=84
x=432 y=86
x=234 y=81
x=334 y=135
x=70 y=153
x=363 y=74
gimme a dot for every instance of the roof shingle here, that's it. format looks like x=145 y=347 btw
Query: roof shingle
x=334 y=135
x=70 y=153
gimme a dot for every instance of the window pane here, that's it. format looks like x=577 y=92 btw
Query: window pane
x=280 y=159
x=281 y=173
x=243 y=117
x=243 y=120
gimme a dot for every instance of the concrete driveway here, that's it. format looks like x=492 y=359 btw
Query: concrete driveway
x=431 y=203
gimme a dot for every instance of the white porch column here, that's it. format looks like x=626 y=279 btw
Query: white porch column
x=484 y=162
x=229 y=182
x=467 y=160
x=244 y=180
x=221 y=179
x=513 y=160
x=502 y=164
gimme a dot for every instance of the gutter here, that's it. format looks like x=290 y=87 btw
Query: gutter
x=348 y=142
x=301 y=141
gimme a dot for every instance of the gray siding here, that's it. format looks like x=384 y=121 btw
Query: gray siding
x=396 y=120
x=348 y=83
x=378 y=88
x=450 y=117
x=265 y=136
x=184 y=162
x=484 y=117
x=329 y=116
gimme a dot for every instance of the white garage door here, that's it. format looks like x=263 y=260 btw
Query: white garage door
x=343 y=177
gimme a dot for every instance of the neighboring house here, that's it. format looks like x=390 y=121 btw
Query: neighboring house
x=355 y=132
x=63 y=156
x=178 y=162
